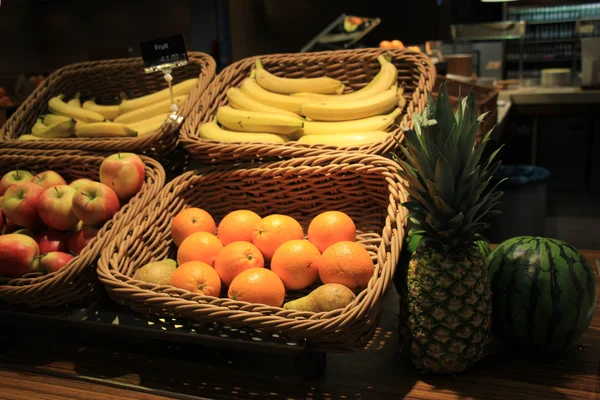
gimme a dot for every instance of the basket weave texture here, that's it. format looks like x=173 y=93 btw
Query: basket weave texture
x=106 y=80
x=77 y=281
x=366 y=187
x=355 y=68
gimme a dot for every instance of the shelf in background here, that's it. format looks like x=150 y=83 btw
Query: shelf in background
x=562 y=21
x=544 y=60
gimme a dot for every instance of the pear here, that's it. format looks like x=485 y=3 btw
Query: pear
x=328 y=297
x=158 y=272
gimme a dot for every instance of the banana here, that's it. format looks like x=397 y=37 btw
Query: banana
x=401 y=99
x=109 y=112
x=179 y=89
x=50 y=119
x=39 y=126
x=276 y=84
x=56 y=105
x=252 y=89
x=75 y=101
x=345 y=139
x=149 y=125
x=350 y=110
x=62 y=129
x=385 y=78
x=212 y=131
x=378 y=123
x=252 y=121
x=237 y=99
x=28 y=138
x=104 y=129
x=140 y=114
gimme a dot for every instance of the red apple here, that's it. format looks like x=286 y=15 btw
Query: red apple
x=53 y=241
x=80 y=239
x=17 y=255
x=52 y=262
x=79 y=183
x=48 y=179
x=124 y=173
x=56 y=208
x=95 y=203
x=12 y=177
x=20 y=204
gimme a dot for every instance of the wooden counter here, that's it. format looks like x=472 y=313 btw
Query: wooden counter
x=75 y=364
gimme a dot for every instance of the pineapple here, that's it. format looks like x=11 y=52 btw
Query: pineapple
x=446 y=304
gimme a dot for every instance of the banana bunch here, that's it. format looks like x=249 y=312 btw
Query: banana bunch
x=313 y=111
x=88 y=119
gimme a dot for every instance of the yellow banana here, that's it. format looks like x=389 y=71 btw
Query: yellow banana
x=350 y=110
x=75 y=101
x=377 y=123
x=140 y=114
x=276 y=84
x=50 y=119
x=104 y=129
x=252 y=89
x=109 y=112
x=212 y=131
x=345 y=139
x=149 y=125
x=385 y=78
x=179 y=89
x=60 y=129
x=56 y=105
x=401 y=99
x=29 y=137
x=39 y=126
x=237 y=99
x=252 y=121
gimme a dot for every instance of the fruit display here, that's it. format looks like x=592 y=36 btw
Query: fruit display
x=79 y=118
x=314 y=111
x=44 y=223
x=265 y=260
x=447 y=305
x=544 y=293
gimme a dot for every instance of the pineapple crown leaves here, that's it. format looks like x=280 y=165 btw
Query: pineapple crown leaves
x=450 y=201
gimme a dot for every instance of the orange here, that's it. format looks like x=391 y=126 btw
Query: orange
x=237 y=257
x=238 y=226
x=257 y=285
x=396 y=44
x=189 y=221
x=273 y=231
x=346 y=263
x=199 y=246
x=294 y=263
x=197 y=277
x=385 y=44
x=331 y=227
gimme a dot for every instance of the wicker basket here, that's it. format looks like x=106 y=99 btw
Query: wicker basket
x=366 y=187
x=106 y=80
x=77 y=280
x=355 y=68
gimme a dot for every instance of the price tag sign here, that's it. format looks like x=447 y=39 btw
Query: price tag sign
x=164 y=54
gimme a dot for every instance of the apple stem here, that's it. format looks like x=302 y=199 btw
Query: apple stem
x=57 y=192
x=87 y=195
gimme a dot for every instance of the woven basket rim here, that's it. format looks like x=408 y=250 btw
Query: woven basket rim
x=41 y=286
x=388 y=249
x=198 y=147
x=7 y=133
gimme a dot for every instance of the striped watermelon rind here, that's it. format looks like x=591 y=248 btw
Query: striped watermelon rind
x=543 y=293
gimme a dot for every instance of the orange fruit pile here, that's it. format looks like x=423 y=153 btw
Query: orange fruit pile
x=257 y=259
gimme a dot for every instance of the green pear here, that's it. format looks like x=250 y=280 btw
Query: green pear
x=158 y=272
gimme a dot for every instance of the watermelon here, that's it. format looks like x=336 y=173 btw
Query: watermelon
x=543 y=293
